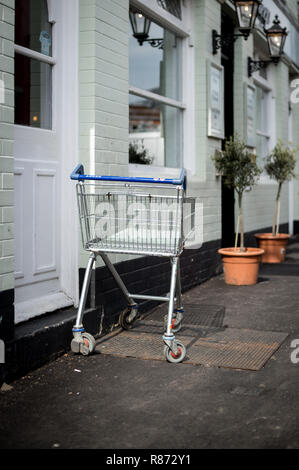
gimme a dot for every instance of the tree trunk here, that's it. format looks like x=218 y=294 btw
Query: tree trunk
x=237 y=233
x=275 y=228
x=242 y=248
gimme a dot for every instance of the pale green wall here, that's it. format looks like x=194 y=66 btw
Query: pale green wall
x=6 y=144
x=293 y=7
x=103 y=88
x=259 y=203
x=207 y=16
x=295 y=108
x=104 y=82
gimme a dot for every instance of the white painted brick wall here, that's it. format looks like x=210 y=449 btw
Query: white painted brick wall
x=205 y=186
x=104 y=81
x=259 y=203
x=6 y=144
x=296 y=144
x=104 y=86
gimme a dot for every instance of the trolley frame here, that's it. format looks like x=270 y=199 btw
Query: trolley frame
x=83 y=342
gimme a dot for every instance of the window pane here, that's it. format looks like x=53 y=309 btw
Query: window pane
x=155 y=131
x=33 y=93
x=153 y=69
x=261 y=110
x=172 y=6
x=32 y=27
x=262 y=149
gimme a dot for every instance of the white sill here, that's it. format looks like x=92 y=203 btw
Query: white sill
x=151 y=171
x=34 y=129
x=33 y=308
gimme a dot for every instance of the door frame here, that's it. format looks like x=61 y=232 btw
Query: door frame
x=65 y=118
x=68 y=122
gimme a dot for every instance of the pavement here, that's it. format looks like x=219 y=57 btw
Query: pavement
x=108 y=402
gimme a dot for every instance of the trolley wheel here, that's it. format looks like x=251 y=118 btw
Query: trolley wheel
x=176 y=326
x=171 y=357
x=88 y=345
x=124 y=319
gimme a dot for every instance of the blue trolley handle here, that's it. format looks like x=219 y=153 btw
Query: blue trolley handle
x=78 y=174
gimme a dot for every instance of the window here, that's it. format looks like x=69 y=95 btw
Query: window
x=156 y=109
x=33 y=64
x=172 y=6
x=262 y=124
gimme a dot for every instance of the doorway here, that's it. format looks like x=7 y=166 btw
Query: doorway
x=45 y=152
x=227 y=195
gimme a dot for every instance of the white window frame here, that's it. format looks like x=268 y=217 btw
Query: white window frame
x=183 y=29
x=267 y=86
x=50 y=60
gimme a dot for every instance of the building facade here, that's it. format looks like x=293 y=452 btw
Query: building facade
x=77 y=86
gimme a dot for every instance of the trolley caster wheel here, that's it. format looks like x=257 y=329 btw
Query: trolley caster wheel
x=85 y=346
x=88 y=345
x=171 y=357
x=176 y=325
x=127 y=318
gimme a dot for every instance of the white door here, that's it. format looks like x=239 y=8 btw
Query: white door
x=38 y=162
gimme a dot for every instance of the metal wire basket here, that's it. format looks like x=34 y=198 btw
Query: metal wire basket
x=130 y=222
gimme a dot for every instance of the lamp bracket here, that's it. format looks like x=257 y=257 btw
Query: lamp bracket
x=225 y=39
x=255 y=65
x=156 y=42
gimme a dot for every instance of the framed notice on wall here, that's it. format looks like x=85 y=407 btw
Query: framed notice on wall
x=215 y=100
x=249 y=121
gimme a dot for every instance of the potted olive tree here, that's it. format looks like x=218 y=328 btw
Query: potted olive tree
x=239 y=170
x=280 y=165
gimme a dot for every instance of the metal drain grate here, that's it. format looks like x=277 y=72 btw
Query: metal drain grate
x=195 y=314
x=210 y=346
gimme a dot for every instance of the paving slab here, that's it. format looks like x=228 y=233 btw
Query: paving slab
x=109 y=402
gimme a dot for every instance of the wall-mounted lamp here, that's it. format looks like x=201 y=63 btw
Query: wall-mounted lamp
x=247 y=12
x=141 y=26
x=276 y=38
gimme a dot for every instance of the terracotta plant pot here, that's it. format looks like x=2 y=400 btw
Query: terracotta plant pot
x=273 y=246
x=241 y=268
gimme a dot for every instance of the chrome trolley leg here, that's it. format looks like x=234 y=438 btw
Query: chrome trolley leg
x=174 y=350
x=129 y=316
x=178 y=312
x=83 y=343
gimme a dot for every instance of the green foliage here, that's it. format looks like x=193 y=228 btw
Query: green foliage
x=280 y=164
x=139 y=156
x=239 y=171
x=237 y=166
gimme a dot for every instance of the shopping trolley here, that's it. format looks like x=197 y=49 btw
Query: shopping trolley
x=137 y=216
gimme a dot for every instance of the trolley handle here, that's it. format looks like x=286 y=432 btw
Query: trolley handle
x=78 y=174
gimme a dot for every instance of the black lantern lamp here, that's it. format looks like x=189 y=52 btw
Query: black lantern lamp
x=141 y=26
x=276 y=38
x=247 y=12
